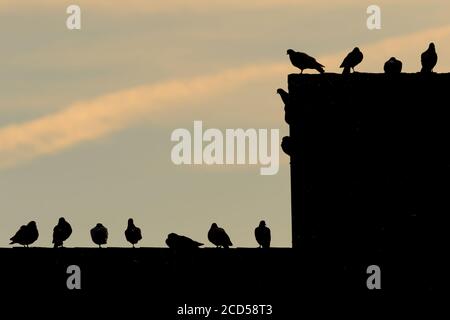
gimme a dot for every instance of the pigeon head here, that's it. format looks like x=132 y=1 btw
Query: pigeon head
x=214 y=226
x=280 y=91
x=172 y=236
x=290 y=51
x=431 y=46
x=130 y=222
x=262 y=223
x=32 y=224
x=356 y=49
x=99 y=225
x=61 y=220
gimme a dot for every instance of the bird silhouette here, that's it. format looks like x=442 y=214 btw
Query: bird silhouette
x=132 y=233
x=429 y=58
x=26 y=235
x=99 y=235
x=219 y=237
x=286 y=145
x=175 y=241
x=351 y=60
x=284 y=96
x=262 y=235
x=61 y=232
x=393 y=66
x=303 y=61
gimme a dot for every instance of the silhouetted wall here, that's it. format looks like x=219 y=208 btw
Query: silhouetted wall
x=370 y=165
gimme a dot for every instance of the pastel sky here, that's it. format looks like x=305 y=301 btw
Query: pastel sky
x=86 y=115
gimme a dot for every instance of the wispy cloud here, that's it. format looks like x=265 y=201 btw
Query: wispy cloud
x=88 y=120
x=92 y=119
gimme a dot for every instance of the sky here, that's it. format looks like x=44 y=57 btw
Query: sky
x=86 y=115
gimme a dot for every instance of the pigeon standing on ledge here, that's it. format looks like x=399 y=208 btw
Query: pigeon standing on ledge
x=393 y=66
x=286 y=145
x=61 y=232
x=219 y=237
x=303 y=61
x=429 y=59
x=284 y=96
x=351 y=60
x=262 y=235
x=175 y=241
x=132 y=233
x=26 y=235
x=99 y=235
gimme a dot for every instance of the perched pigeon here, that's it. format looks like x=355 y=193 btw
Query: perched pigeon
x=175 y=241
x=99 y=235
x=429 y=59
x=393 y=66
x=262 y=235
x=219 y=237
x=26 y=235
x=286 y=145
x=132 y=233
x=284 y=96
x=351 y=60
x=61 y=232
x=303 y=61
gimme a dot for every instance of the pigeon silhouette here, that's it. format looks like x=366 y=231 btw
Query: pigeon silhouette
x=262 y=235
x=99 y=235
x=351 y=60
x=393 y=66
x=284 y=96
x=219 y=237
x=303 y=61
x=175 y=241
x=286 y=145
x=61 y=232
x=429 y=59
x=132 y=233
x=26 y=235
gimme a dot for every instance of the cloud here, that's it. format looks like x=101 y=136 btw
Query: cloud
x=88 y=120
x=96 y=118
